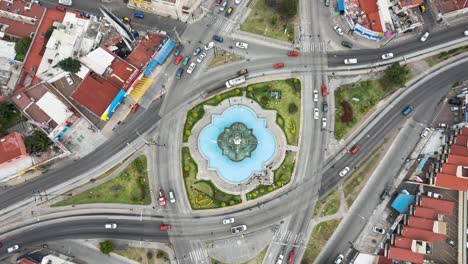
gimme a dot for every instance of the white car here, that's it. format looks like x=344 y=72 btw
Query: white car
x=344 y=171
x=242 y=45
x=324 y=122
x=465 y=32
x=209 y=45
x=223 y=6
x=338 y=30
x=280 y=258
x=228 y=221
x=387 y=56
x=69 y=79
x=110 y=226
x=425 y=132
x=201 y=57
x=339 y=259
x=350 y=61
x=378 y=230
x=191 y=68
x=238 y=229
x=424 y=37
x=13 y=248
x=316 y=113
x=237 y=2
x=171 y=197
x=316 y=96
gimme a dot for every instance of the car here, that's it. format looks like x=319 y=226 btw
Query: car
x=186 y=60
x=347 y=44
x=350 y=61
x=324 y=90
x=291 y=257
x=197 y=51
x=228 y=221
x=465 y=32
x=338 y=30
x=229 y=11
x=344 y=171
x=293 y=53
x=280 y=258
x=61 y=8
x=278 y=65
x=242 y=45
x=125 y=19
x=355 y=149
x=218 y=38
x=242 y=72
x=238 y=229
x=315 y=96
x=134 y=108
x=222 y=7
x=138 y=15
x=209 y=45
x=425 y=132
x=442 y=125
x=161 y=198
x=191 y=68
x=69 y=79
x=13 y=248
x=316 y=113
x=384 y=194
x=237 y=2
x=387 y=56
x=324 y=107
x=407 y=110
x=424 y=37
x=454 y=108
x=434 y=195
x=378 y=230
x=201 y=57
x=110 y=226
x=178 y=60
x=455 y=101
x=217 y=2
x=164 y=227
x=339 y=259
x=178 y=50
x=324 y=122
x=451 y=242
x=171 y=197
x=179 y=73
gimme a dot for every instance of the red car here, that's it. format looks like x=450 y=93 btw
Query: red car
x=324 y=90
x=164 y=227
x=218 y=2
x=178 y=60
x=162 y=198
x=355 y=149
x=291 y=257
x=293 y=53
x=134 y=108
x=278 y=65
x=60 y=8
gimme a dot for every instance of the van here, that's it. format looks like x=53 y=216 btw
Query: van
x=407 y=110
x=350 y=61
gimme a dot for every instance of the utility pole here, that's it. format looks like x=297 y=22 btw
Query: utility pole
x=177 y=34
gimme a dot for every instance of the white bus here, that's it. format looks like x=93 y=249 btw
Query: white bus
x=235 y=81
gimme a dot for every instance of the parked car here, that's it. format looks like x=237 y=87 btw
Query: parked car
x=278 y=65
x=223 y=6
x=178 y=59
x=350 y=61
x=228 y=221
x=315 y=96
x=197 y=51
x=422 y=8
x=455 y=101
x=161 y=198
x=384 y=194
x=134 y=108
x=280 y=258
x=293 y=53
x=186 y=60
x=164 y=227
x=218 y=38
x=69 y=79
x=347 y=44
x=110 y=226
x=355 y=149
x=407 y=110
x=13 y=248
x=324 y=107
x=171 y=197
x=179 y=73
x=209 y=45
x=291 y=257
x=378 y=230
x=424 y=37
x=238 y=229
x=201 y=57
x=324 y=122
x=339 y=259
x=454 y=108
x=387 y=56
x=324 y=90
x=138 y=15
x=451 y=242
x=344 y=171
x=338 y=30
x=229 y=11
x=237 y=2
x=191 y=68
x=465 y=32
x=442 y=125
x=125 y=19
x=316 y=113
x=242 y=45
x=425 y=132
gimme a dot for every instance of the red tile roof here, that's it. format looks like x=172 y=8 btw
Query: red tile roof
x=421 y=234
x=16 y=28
x=457 y=160
x=95 y=93
x=451 y=181
x=425 y=212
x=11 y=147
x=122 y=74
x=372 y=11
x=403 y=242
x=459 y=150
x=35 y=10
x=410 y=3
x=145 y=50
x=26 y=261
x=405 y=255
x=421 y=223
x=449 y=169
x=440 y=205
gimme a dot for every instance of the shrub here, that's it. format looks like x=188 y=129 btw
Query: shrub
x=264 y=100
x=37 y=142
x=270 y=3
x=149 y=255
x=188 y=132
x=232 y=202
x=292 y=108
x=250 y=88
x=106 y=247
x=219 y=97
x=279 y=184
x=270 y=188
x=238 y=91
x=187 y=168
x=254 y=194
x=160 y=254
x=288 y=8
x=262 y=190
x=21 y=48
x=283 y=177
x=347 y=115
x=274 y=20
x=395 y=76
x=194 y=114
x=223 y=204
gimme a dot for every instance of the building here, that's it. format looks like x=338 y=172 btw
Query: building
x=444 y=9
x=13 y=155
x=176 y=9
x=19 y=19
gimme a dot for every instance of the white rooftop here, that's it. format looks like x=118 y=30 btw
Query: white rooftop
x=7 y=50
x=54 y=108
x=98 y=60
x=51 y=259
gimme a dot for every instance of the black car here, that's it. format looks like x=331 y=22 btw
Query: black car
x=218 y=38
x=324 y=107
x=347 y=44
x=384 y=194
x=179 y=73
x=178 y=50
x=451 y=242
x=455 y=101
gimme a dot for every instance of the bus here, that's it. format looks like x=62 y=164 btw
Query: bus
x=235 y=81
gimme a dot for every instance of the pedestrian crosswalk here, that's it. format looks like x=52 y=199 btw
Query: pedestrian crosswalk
x=199 y=255
x=308 y=46
x=222 y=24
x=288 y=237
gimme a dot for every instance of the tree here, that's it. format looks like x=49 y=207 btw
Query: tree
x=395 y=76
x=288 y=8
x=21 y=48
x=274 y=20
x=106 y=247
x=70 y=65
x=270 y=3
x=37 y=142
x=292 y=108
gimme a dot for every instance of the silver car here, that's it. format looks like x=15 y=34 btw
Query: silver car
x=201 y=57
x=324 y=122
x=344 y=171
x=238 y=229
x=316 y=113
x=228 y=221
x=222 y=7
x=387 y=56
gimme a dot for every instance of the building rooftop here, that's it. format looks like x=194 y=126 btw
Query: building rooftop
x=425 y=212
x=451 y=181
x=405 y=255
x=421 y=223
x=121 y=73
x=373 y=18
x=403 y=242
x=145 y=49
x=11 y=147
x=440 y=205
x=410 y=3
x=445 y=6
x=20 y=18
x=421 y=234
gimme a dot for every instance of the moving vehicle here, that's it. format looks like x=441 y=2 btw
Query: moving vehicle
x=278 y=65
x=387 y=56
x=223 y=6
x=60 y=8
x=209 y=45
x=424 y=37
x=324 y=107
x=191 y=68
x=238 y=229
x=201 y=57
x=242 y=45
x=344 y=171
x=347 y=44
x=229 y=11
x=178 y=60
x=138 y=15
x=178 y=50
x=186 y=60
x=315 y=96
x=425 y=132
x=407 y=110
x=355 y=149
x=292 y=254
x=243 y=72
x=110 y=226
x=179 y=73
x=465 y=32
x=237 y=2
x=13 y=248
x=378 y=230
x=134 y=108
x=293 y=53
x=280 y=258
x=339 y=259
x=171 y=197
x=316 y=113
x=235 y=81
x=324 y=90
x=161 y=198
x=228 y=221
x=197 y=51
x=350 y=61
x=65 y=2
x=218 y=38
x=69 y=79
x=324 y=122
x=164 y=227
x=338 y=30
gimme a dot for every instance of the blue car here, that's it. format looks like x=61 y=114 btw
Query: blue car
x=407 y=110
x=218 y=38
x=138 y=15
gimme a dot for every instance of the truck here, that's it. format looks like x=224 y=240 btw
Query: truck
x=235 y=81
x=65 y=2
x=341 y=6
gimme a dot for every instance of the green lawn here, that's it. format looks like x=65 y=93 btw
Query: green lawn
x=203 y=194
x=130 y=187
x=265 y=21
x=319 y=237
x=290 y=95
x=282 y=176
x=328 y=206
x=436 y=59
